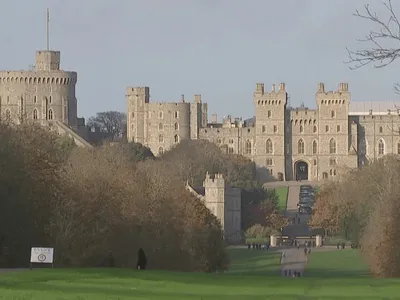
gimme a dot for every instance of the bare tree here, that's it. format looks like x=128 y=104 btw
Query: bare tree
x=111 y=122
x=384 y=42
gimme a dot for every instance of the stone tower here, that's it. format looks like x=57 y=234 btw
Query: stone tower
x=137 y=98
x=214 y=190
x=44 y=94
x=270 y=128
x=333 y=131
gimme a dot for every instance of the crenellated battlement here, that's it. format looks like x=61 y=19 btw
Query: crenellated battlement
x=342 y=88
x=33 y=77
x=218 y=181
x=274 y=97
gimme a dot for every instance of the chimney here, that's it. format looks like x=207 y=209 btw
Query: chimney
x=214 y=119
x=197 y=98
x=281 y=87
x=183 y=98
x=273 y=88
x=321 y=87
x=260 y=88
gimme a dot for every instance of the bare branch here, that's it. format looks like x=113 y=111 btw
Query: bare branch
x=378 y=54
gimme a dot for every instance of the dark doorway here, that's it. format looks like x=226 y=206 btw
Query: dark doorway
x=301 y=170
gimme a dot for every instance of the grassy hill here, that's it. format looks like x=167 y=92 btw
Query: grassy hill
x=253 y=275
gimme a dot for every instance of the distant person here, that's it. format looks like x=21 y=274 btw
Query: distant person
x=285 y=273
x=298 y=220
x=142 y=260
x=290 y=272
x=343 y=245
x=248 y=246
x=338 y=245
x=309 y=251
x=254 y=245
x=305 y=251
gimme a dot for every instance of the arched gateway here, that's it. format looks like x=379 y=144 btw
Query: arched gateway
x=301 y=170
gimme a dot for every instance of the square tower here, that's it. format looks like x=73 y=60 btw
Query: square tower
x=214 y=191
x=47 y=61
x=137 y=98
x=270 y=130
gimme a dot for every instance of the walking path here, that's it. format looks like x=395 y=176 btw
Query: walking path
x=294 y=259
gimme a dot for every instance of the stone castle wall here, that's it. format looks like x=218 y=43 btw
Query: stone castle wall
x=328 y=139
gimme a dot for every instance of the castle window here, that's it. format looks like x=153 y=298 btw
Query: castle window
x=8 y=99
x=398 y=147
x=50 y=116
x=161 y=138
x=231 y=141
x=275 y=129
x=160 y=126
x=338 y=128
x=269 y=149
x=176 y=114
x=315 y=162
x=8 y=115
x=176 y=139
x=301 y=129
x=314 y=147
x=332 y=146
x=35 y=114
x=263 y=128
x=326 y=128
x=314 y=129
x=269 y=162
x=50 y=99
x=176 y=126
x=332 y=162
x=219 y=141
x=248 y=147
x=332 y=114
x=334 y=172
x=381 y=147
x=230 y=150
x=133 y=115
x=380 y=129
x=160 y=151
x=160 y=115
x=300 y=147
x=269 y=114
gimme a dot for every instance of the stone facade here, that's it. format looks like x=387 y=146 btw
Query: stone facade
x=45 y=95
x=224 y=202
x=286 y=143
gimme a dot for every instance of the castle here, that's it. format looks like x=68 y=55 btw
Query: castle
x=43 y=95
x=224 y=202
x=285 y=143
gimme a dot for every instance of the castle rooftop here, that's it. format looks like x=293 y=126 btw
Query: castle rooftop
x=363 y=108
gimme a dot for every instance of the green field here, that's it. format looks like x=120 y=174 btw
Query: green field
x=336 y=263
x=253 y=275
x=282 y=192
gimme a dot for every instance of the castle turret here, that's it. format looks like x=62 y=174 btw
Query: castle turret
x=214 y=189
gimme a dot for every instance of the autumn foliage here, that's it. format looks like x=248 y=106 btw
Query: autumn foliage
x=364 y=207
x=87 y=203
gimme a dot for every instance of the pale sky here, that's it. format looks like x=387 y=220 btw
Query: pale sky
x=217 y=48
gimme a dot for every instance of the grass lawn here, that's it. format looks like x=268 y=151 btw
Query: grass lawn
x=251 y=277
x=282 y=192
x=336 y=263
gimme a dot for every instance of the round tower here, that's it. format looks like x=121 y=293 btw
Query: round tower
x=44 y=93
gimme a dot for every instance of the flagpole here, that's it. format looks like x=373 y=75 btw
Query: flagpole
x=47 y=30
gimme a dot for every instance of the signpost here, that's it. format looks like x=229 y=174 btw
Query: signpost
x=42 y=256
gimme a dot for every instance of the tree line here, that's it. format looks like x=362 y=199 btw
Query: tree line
x=114 y=199
x=363 y=208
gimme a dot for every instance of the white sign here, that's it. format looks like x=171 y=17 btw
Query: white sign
x=42 y=255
